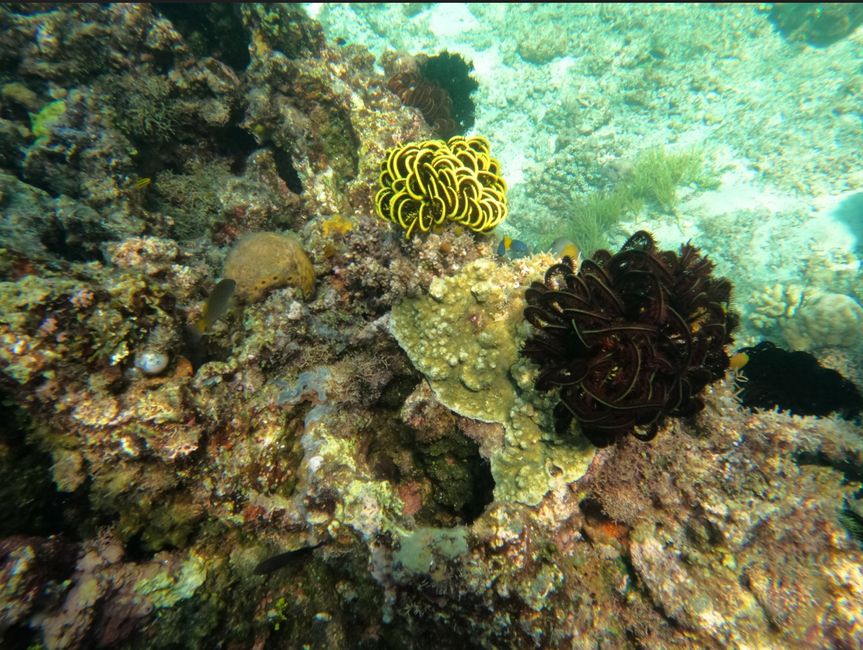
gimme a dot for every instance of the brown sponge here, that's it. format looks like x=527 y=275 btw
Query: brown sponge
x=262 y=261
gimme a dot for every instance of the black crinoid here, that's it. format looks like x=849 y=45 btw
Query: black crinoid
x=629 y=338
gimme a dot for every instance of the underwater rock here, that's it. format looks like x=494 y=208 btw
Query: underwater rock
x=262 y=261
x=817 y=23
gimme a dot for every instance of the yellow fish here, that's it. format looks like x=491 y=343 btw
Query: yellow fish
x=217 y=304
x=738 y=360
x=563 y=247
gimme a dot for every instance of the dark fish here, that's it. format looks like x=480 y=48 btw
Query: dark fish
x=217 y=304
x=512 y=248
x=287 y=558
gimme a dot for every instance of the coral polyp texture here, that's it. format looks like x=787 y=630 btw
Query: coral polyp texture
x=424 y=184
x=629 y=338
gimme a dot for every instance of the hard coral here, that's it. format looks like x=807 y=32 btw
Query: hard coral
x=424 y=184
x=630 y=337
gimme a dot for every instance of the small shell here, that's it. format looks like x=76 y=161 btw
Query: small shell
x=151 y=362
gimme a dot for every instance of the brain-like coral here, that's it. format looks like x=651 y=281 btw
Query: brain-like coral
x=427 y=183
x=262 y=261
x=629 y=338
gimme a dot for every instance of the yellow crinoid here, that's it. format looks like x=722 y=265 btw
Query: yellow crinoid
x=426 y=183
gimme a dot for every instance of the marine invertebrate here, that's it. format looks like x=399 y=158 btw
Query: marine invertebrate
x=629 y=338
x=424 y=184
x=152 y=362
x=795 y=382
x=440 y=87
x=432 y=101
x=262 y=261
x=464 y=337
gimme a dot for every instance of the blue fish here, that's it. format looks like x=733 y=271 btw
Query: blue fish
x=512 y=248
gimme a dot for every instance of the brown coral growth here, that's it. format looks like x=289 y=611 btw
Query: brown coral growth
x=263 y=261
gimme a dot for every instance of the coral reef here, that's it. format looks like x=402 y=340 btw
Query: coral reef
x=629 y=338
x=425 y=184
x=464 y=337
x=807 y=318
x=367 y=464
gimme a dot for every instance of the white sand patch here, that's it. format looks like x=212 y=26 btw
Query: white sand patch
x=449 y=20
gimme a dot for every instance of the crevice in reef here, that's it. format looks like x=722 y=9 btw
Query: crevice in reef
x=210 y=29
x=461 y=480
x=30 y=503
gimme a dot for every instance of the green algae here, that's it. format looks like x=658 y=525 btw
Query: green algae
x=654 y=178
x=42 y=122
x=165 y=590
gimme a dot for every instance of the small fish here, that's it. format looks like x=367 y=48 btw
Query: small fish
x=143 y=183
x=738 y=360
x=285 y=559
x=217 y=304
x=563 y=247
x=512 y=248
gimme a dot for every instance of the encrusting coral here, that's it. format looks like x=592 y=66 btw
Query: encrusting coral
x=464 y=337
x=629 y=338
x=427 y=183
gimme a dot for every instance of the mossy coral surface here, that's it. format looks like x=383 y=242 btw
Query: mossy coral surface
x=464 y=336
